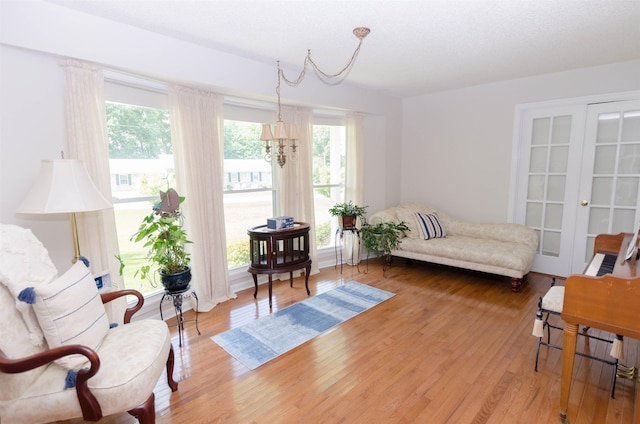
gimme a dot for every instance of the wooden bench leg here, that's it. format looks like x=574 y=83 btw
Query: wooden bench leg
x=516 y=283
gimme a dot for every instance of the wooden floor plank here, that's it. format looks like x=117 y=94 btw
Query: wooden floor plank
x=450 y=347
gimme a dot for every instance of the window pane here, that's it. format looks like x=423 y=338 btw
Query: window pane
x=248 y=194
x=141 y=163
x=328 y=178
x=243 y=211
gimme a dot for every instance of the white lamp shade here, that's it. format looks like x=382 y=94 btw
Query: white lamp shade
x=266 y=133
x=293 y=132
x=281 y=131
x=63 y=186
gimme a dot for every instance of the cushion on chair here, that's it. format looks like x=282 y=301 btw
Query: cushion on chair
x=70 y=311
x=132 y=358
x=553 y=300
x=24 y=262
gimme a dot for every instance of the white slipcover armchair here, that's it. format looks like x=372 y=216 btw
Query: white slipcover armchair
x=116 y=369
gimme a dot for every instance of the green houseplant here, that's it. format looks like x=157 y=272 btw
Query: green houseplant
x=382 y=237
x=164 y=236
x=347 y=213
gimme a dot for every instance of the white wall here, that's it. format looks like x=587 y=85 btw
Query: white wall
x=35 y=35
x=457 y=145
x=32 y=128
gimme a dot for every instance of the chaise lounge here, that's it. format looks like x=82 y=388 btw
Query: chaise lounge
x=437 y=237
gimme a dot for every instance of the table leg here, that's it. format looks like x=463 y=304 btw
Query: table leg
x=335 y=248
x=196 y=311
x=306 y=278
x=270 y=289
x=568 y=355
x=636 y=413
x=255 y=284
x=177 y=305
x=162 y=300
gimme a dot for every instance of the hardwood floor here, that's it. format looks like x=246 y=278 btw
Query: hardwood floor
x=451 y=347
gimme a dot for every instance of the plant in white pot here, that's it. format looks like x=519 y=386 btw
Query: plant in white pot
x=164 y=236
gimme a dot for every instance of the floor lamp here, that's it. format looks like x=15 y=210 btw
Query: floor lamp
x=64 y=186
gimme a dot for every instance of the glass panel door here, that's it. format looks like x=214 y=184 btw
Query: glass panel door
x=550 y=138
x=609 y=190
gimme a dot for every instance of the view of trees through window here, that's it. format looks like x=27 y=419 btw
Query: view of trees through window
x=141 y=164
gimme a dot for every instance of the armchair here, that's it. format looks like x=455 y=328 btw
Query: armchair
x=117 y=375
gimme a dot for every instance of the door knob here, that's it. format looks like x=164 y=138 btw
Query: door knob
x=584 y=203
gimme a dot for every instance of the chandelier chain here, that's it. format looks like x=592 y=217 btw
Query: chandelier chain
x=323 y=76
x=288 y=132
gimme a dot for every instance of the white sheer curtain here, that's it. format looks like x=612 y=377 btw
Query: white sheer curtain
x=354 y=175
x=296 y=176
x=354 y=178
x=198 y=143
x=87 y=139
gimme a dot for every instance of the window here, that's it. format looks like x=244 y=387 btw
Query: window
x=123 y=179
x=328 y=178
x=248 y=191
x=141 y=163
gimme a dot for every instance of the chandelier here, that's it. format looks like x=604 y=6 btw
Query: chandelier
x=283 y=133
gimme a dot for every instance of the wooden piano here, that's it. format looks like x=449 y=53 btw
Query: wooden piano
x=610 y=302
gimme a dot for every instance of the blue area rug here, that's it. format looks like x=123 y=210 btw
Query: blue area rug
x=266 y=338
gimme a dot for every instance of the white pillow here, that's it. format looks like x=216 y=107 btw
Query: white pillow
x=409 y=218
x=70 y=311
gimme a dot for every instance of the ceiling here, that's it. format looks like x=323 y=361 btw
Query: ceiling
x=415 y=46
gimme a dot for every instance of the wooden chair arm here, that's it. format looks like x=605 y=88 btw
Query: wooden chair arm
x=128 y=313
x=91 y=410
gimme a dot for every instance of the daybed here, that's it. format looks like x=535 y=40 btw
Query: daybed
x=502 y=248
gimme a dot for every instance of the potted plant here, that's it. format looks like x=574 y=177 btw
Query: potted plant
x=347 y=213
x=165 y=238
x=382 y=238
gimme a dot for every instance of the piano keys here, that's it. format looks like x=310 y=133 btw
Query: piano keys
x=601 y=264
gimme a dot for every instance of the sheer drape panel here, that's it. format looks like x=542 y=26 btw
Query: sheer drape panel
x=354 y=167
x=354 y=179
x=198 y=143
x=88 y=141
x=296 y=177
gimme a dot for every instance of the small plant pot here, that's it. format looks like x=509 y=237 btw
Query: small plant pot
x=348 y=221
x=177 y=282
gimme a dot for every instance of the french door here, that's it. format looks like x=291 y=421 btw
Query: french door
x=609 y=187
x=578 y=175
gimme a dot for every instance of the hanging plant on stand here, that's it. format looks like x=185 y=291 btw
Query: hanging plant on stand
x=382 y=238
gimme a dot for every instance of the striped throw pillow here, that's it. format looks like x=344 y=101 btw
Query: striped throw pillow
x=429 y=226
x=70 y=311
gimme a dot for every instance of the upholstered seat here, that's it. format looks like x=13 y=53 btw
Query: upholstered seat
x=120 y=373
